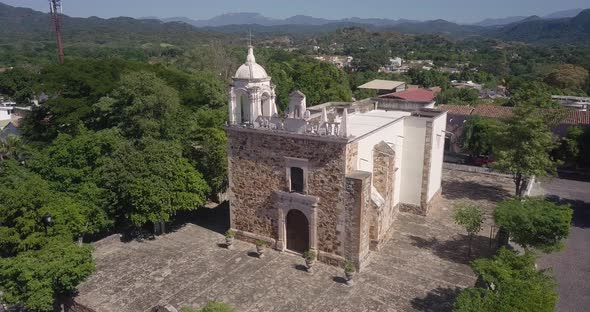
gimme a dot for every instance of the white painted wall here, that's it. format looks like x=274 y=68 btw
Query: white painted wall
x=388 y=134
x=4 y=113
x=438 y=145
x=413 y=160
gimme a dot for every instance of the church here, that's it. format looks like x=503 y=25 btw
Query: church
x=331 y=177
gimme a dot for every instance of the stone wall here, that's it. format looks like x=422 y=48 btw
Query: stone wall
x=357 y=221
x=352 y=153
x=384 y=183
x=257 y=168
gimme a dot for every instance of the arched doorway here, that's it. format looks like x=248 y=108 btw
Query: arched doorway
x=265 y=105
x=244 y=106
x=297 y=231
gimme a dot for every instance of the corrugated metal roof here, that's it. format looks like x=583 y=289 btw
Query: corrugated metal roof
x=379 y=84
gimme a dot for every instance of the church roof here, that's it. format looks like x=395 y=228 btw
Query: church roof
x=251 y=69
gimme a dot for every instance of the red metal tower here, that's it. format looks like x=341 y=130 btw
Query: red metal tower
x=55 y=11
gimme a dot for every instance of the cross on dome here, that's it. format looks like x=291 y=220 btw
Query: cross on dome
x=251 y=69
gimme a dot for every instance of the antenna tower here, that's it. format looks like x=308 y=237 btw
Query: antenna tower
x=55 y=11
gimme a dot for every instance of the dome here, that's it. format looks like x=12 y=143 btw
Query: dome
x=251 y=69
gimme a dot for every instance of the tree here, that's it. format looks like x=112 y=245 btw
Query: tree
x=18 y=84
x=143 y=105
x=12 y=148
x=535 y=223
x=571 y=146
x=471 y=218
x=458 y=96
x=480 y=134
x=567 y=76
x=534 y=93
x=36 y=265
x=206 y=147
x=524 y=148
x=507 y=283
x=35 y=278
x=151 y=182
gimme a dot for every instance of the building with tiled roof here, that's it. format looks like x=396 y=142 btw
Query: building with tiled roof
x=457 y=115
x=457 y=109
x=413 y=95
x=570 y=117
x=577 y=118
x=493 y=111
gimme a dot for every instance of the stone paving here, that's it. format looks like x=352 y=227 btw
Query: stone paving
x=421 y=269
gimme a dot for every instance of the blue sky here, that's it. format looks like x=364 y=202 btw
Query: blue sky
x=452 y=10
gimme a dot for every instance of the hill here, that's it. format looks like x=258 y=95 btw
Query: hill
x=551 y=31
x=26 y=25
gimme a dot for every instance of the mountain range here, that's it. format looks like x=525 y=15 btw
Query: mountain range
x=22 y=24
x=249 y=18
x=515 y=19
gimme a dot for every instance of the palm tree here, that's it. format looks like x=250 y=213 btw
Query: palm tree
x=11 y=148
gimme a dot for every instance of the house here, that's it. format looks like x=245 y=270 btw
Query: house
x=410 y=99
x=384 y=86
x=10 y=128
x=466 y=85
x=330 y=178
x=6 y=109
x=574 y=102
x=457 y=115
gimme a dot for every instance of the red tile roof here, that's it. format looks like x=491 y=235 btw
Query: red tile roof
x=492 y=111
x=577 y=118
x=416 y=95
x=570 y=116
x=457 y=109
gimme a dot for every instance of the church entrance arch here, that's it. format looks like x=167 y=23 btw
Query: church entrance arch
x=297 y=231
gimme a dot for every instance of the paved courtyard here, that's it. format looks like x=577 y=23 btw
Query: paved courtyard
x=572 y=265
x=421 y=269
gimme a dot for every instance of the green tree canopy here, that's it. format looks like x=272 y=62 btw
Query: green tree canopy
x=458 y=96
x=507 y=283
x=535 y=223
x=152 y=181
x=533 y=93
x=523 y=148
x=143 y=105
x=35 y=278
x=471 y=218
x=480 y=135
x=567 y=76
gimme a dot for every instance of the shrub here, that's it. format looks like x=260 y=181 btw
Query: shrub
x=261 y=243
x=507 y=283
x=471 y=218
x=349 y=268
x=535 y=223
x=309 y=255
x=230 y=234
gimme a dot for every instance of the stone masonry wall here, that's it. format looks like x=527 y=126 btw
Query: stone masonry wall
x=383 y=182
x=357 y=221
x=257 y=168
x=352 y=153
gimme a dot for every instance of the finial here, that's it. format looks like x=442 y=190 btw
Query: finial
x=250 y=38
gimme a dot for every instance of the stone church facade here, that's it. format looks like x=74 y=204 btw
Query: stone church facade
x=329 y=178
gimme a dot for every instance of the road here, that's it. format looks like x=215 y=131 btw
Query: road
x=571 y=267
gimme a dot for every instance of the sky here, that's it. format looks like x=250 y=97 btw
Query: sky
x=452 y=10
